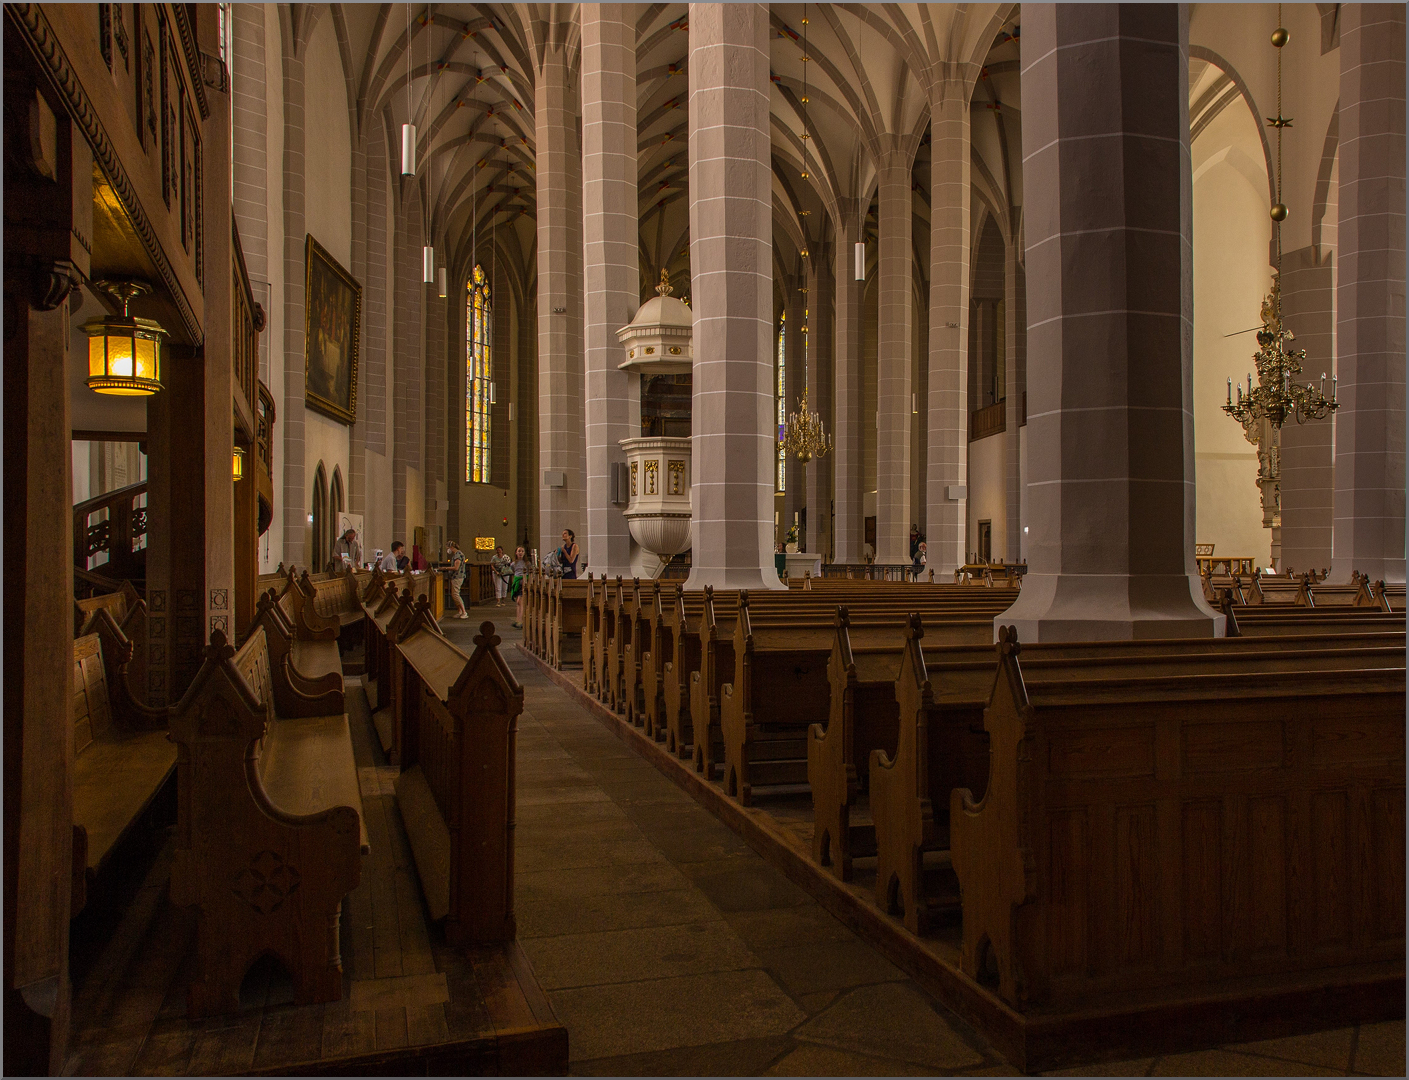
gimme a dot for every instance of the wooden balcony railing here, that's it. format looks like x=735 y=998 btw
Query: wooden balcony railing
x=248 y=322
x=988 y=421
x=116 y=524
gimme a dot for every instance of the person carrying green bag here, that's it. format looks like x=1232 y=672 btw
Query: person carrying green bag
x=519 y=568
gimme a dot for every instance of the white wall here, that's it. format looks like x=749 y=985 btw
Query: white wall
x=328 y=218
x=1231 y=275
x=987 y=501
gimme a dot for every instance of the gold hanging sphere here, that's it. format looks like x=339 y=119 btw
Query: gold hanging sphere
x=1280 y=36
x=1279 y=212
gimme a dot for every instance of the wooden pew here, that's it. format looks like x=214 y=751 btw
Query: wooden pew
x=1279 y=620
x=1357 y=594
x=334 y=601
x=942 y=691
x=780 y=685
x=305 y=676
x=457 y=796
x=129 y=613
x=1180 y=833
x=608 y=606
x=714 y=654
x=587 y=636
x=1271 y=590
x=680 y=652
x=707 y=665
x=270 y=831
x=122 y=757
x=569 y=617
x=403 y=618
x=1390 y=596
x=656 y=646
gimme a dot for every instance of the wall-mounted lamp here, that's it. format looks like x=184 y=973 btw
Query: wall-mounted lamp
x=237 y=465
x=124 y=353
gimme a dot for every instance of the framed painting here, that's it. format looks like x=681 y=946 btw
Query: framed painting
x=333 y=317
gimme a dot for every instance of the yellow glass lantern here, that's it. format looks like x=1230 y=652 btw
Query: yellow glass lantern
x=238 y=465
x=124 y=353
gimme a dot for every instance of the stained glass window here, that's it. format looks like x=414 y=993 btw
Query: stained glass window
x=479 y=375
x=782 y=404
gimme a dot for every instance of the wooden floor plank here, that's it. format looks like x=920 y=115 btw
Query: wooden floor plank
x=225 y=1048
x=425 y=1025
x=345 y=1032
x=167 y=1051
x=360 y=961
x=289 y=1034
x=391 y=1028
x=416 y=957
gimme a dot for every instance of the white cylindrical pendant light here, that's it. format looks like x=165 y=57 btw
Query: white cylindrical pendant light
x=408 y=149
x=442 y=282
x=428 y=265
x=491 y=394
x=860 y=260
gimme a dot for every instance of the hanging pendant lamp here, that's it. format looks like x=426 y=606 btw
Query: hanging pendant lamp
x=408 y=149
x=860 y=260
x=124 y=353
x=428 y=265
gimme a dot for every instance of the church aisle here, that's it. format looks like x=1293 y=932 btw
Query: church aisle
x=667 y=946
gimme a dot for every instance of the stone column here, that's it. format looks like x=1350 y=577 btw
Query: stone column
x=611 y=268
x=895 y=344
x=561 y=447
x=847 y=466
x=1110 y=304
x=1369 y=472
x=820 y=289
x=731 y=279
x=296 y=501
x=1014 y=346
x=49 y=229
x=948 y=407
x=217 y=483
x=1307 y=470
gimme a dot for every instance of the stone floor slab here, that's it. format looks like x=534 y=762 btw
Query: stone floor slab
x=892 y=1020
x=663 y=1014
x=540 y=916
x=1230 y=1063
x=827 y=965
x=1329 y=1049
x=1380 y=1050
x=640 y=953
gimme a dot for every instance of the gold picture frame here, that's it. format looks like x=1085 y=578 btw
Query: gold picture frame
x=332 y=334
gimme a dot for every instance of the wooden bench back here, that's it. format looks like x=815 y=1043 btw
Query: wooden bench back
x=1159 y=831
x=466 y=711
x=92 y=714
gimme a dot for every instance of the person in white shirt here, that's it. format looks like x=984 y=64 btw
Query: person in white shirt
x=388 y=563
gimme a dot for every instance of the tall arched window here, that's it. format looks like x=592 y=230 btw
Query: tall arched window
x=479 y=377
x=782 y=402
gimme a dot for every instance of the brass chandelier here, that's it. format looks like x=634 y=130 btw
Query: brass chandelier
x=1277 y=396
x=803 y=435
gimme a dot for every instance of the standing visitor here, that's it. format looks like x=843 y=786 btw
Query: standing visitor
x=499 y=564
x=349 y=546
x=568 y=554
x=456 y=558
x=519 y=568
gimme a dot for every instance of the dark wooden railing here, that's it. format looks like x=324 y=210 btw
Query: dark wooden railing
x=115 y=523
x=991 y=420
x=248 y=321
